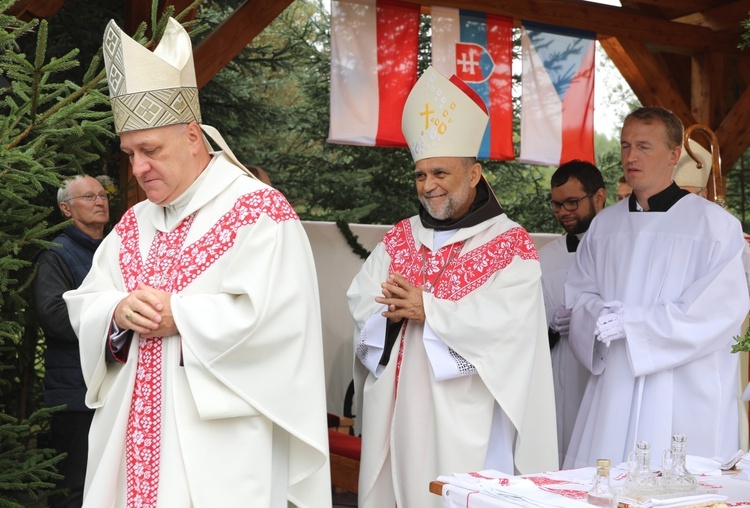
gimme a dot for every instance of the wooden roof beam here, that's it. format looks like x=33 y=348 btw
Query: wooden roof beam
x=687 y=5
x=29 y=9
x=605 y=20
x=232 y=35
x=734 y=131
x=649 y=78
x=724 y=17
x=710 y=99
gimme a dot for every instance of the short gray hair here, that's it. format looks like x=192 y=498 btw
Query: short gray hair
x=63 y=193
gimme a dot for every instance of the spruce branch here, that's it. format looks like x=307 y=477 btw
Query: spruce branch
x=60 y=105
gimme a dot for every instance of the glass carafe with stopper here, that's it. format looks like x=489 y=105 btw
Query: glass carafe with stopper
x=675 y=476
x=641 y=481
x=602 y=493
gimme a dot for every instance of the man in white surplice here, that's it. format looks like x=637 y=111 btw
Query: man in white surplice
x=199 y=323
x=692 y=175
x=577 y=195
x=453 y=369
x=657 y=293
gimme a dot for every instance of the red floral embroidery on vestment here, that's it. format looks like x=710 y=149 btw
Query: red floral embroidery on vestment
x=467 y=272
x=170 y=266
x=400 y=358
x=200 y=255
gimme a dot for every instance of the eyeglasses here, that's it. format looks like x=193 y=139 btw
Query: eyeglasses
x=570 y=205
x=91 y=197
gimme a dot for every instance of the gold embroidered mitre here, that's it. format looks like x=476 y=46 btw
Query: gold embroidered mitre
x=686 y=171
x=151 y=89
x=443 y=118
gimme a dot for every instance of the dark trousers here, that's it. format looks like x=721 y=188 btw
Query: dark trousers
x=70 y=434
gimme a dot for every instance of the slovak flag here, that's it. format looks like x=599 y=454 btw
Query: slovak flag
x=557 y=98
x=374 y=45
x=478 y=48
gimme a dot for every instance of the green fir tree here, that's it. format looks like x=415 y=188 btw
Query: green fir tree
x=51 y=127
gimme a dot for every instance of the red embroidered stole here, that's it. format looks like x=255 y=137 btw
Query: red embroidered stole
x=469 y=271
x=171 y=266
x=450 y=273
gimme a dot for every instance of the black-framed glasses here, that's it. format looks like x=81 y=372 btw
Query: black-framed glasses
x=570 y=205
x=91 y=197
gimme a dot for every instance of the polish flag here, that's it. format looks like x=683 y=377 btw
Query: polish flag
x=477 y=47
x=557 y=98
x=374 y=46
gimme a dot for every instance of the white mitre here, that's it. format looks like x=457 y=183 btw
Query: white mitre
x=155 y=89
x=443 y=118
x=687 y=173
x=151 y=89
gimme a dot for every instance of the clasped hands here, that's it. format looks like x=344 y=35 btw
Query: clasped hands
x=146 y=311
x=403 y=299
x=560 y=320
x=609 y=325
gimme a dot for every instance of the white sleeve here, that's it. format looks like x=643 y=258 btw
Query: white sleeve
x=445 y=362
x=372 y=343
x=117 y=337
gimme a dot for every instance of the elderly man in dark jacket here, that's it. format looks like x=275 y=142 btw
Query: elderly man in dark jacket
x=61 y=268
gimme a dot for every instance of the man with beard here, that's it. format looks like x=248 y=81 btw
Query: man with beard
x=577 y=195
x=453 y=368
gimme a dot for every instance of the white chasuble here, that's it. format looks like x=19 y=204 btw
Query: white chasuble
x=568 y=375
x=680 y=279
x=421 y=416
x=242 y=403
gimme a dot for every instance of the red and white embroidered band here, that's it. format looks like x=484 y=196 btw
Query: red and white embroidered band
x=467 y=272
x=171 y=266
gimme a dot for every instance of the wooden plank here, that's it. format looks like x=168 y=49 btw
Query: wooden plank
x=344 y=473
x=649 y=79
x=734 y=132
x=701 y=93
x=29 y=9
x=605 y=20
x=686 y=5
x=231 y=36
x=722 y=17
x=436 y=487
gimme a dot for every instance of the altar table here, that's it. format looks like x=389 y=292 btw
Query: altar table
x=560 y=489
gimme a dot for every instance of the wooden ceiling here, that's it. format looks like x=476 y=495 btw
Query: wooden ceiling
x=679 y=54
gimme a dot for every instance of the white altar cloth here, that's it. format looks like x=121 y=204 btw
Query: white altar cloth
x=565 y=489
